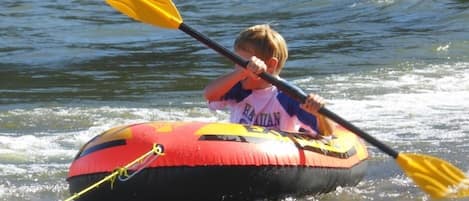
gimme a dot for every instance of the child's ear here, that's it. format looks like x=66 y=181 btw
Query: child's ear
x=272 y=65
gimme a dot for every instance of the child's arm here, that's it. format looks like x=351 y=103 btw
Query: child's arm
x=312 y=104
x=324 y=125
x=219 y=87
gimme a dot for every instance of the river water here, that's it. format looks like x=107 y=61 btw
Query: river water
x=72 y=69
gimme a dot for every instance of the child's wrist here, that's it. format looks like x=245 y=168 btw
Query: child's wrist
x=241 y=73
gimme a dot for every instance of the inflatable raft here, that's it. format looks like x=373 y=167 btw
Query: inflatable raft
x=216 y=161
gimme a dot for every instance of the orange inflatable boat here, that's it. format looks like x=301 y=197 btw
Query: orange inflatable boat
x=215 y=161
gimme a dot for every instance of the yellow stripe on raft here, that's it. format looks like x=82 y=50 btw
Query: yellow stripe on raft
x=342 y=141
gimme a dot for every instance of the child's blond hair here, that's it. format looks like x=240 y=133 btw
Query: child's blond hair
x=264 y=42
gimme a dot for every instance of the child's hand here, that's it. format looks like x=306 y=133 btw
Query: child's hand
x=256 y=66
x=313 y=103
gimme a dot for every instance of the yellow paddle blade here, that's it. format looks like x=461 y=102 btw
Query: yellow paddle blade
x=161 y=13
x=435 y=176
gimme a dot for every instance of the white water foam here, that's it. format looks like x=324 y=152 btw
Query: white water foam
x=48 y=145
x=423 y=100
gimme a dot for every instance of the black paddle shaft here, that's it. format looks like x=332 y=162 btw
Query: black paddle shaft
x=291 y=90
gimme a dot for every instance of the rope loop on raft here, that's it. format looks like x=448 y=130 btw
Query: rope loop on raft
x=122 y=172
x=145 y=161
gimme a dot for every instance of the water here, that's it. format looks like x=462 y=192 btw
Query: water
x=72 y=69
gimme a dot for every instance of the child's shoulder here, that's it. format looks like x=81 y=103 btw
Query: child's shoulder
x=288 y=103
x=283 y=97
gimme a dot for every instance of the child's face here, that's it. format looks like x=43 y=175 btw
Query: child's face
x=251 y=82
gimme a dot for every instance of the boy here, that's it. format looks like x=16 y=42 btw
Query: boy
x=253 y=101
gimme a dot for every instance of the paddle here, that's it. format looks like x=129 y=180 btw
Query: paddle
x=435 y=176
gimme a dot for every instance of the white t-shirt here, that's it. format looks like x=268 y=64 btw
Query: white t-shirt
x=266 y=107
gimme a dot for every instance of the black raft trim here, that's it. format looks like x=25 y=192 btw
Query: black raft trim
x=101 y=146
x=215 y=183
